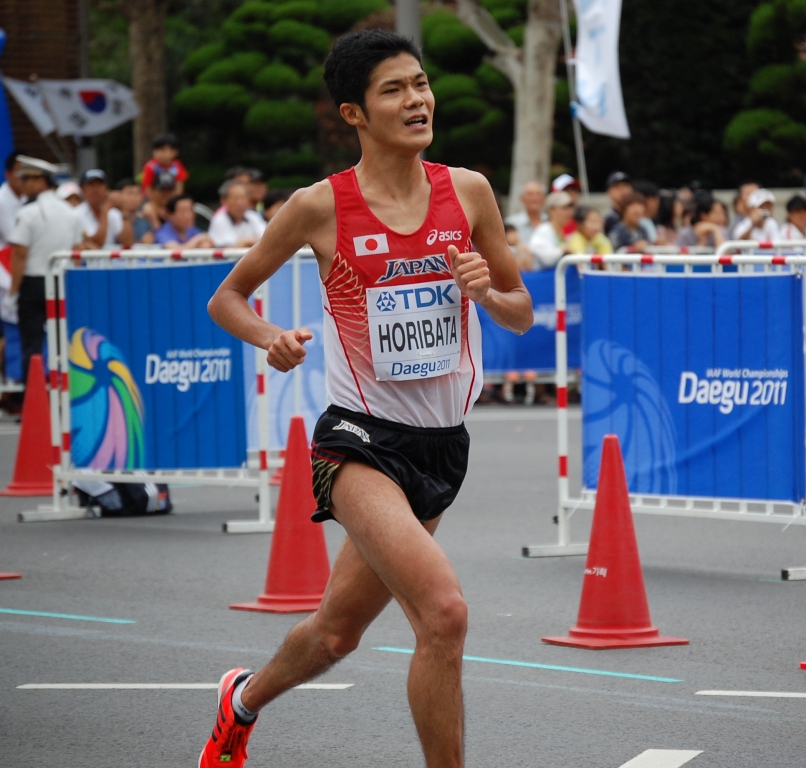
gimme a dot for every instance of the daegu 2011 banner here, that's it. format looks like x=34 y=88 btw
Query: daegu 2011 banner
x=154 y=383
x=701 y=377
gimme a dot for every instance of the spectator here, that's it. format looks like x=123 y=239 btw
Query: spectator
x=589 y=236
x=11 y=198
x=164 y=159
x=795 y=227
x=521 y=252
x=667 y=220
x=565 y=182
x=708 y=224
x=618 y=186
x=533 y=195
x=651 y=194
x=258 y=189
x=629 y=233
x=274 y=200
x=70 y=192
x=155 y=210
x=740 y=209
x=759 y=223
x=180 y=231
x=129 y=203
x=239 y=174
x=548 y=244
x=236 y=225
x=99 y=214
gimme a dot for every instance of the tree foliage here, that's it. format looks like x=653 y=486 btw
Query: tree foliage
x=768 y=138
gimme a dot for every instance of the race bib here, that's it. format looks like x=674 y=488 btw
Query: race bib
x=415 y=330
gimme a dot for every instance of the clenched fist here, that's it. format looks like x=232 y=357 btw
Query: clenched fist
x=470 y=272
x=287 y=350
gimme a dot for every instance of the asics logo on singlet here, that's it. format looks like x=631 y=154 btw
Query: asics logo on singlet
x=445 y=236
x=427 y=265
x=347 y=427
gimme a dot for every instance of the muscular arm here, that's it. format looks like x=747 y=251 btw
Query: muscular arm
x=489 y=277
x=307 y=218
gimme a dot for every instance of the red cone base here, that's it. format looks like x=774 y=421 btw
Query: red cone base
x=803 y=664
x=10 y=575
x=33 y=475
x=298 y=564
x=613 y=609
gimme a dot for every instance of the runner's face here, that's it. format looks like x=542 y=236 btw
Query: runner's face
x=400 y=104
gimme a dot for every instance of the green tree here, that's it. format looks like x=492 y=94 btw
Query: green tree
x=768 y=138
x=255 y=90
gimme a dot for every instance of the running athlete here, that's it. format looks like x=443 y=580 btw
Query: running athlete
x=400 y=279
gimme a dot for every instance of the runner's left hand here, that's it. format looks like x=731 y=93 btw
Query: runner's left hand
x=471 y=273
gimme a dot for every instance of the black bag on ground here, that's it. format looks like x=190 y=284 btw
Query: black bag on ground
x=124 y=499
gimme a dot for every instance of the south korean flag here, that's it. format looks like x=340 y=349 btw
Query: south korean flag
x=370 y=245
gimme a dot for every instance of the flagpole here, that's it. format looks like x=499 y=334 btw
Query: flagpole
x=570 y=65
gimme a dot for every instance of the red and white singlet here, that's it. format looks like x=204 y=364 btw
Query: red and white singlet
x=401 y=341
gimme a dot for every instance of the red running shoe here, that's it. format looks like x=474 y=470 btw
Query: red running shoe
x=226 y=747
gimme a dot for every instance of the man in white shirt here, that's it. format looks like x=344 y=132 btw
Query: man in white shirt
x=795 y=227
x=533 y=195
x=44 y=225
x=759 y=223
x=11 y=198
x=236 y=225
x=548 y=244
x=101 y=220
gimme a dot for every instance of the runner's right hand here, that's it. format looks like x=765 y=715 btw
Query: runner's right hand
x=287 y=350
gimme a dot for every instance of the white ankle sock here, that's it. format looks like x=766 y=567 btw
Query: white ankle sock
x=241 y=712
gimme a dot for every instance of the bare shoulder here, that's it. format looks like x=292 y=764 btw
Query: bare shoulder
x=470 y=182
x=476 y=196
x=317 y=202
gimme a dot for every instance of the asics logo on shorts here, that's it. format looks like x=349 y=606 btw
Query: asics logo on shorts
x=347 y=427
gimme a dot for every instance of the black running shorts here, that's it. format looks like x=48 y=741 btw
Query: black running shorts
x=429 y=464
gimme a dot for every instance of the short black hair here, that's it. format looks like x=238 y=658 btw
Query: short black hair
x=351 y=61
x=582 y=213
x=128 y=181
x=237 y=170
x=166 y=139
x=646 y=188
x=170 y=206
x=11 y=161
x=796 y=203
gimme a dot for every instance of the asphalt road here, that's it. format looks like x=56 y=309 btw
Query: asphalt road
x=716 y=583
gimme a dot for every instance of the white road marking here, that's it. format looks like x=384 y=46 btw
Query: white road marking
x=160 y=686
x=761 y=694
x=662 y=758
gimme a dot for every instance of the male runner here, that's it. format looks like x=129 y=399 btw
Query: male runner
x=399 y=280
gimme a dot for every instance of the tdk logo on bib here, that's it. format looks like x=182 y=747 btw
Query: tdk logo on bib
x=415 y=330
x=445 y=236
x=370 y=245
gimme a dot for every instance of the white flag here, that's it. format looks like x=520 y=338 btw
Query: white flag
x=88 y=107
x=29 y=97
x=600 y=104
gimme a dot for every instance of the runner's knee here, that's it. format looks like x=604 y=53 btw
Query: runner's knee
x=339 y=641
x=445 y=621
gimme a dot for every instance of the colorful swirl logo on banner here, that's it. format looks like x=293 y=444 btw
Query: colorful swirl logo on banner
x=621 y=396
x=106 y=408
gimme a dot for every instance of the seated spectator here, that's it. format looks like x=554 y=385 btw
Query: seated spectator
x=273 y=201
x=99 y=215
x=708 y=224
x=155 y=212
x=629 y=233
x=548 y=244
x=565 y=182
x=759 y=224
x=740 y=209
x=70 y=192
x=667 y=220
x=589 y=236
x=257 y=189
x=521 y=252
x=131 y=200
x=164 y=159
x=651 y=194
x=180 y=231
x=795 y=227
x=533 y=195
x=236 y=225
x=618 y=186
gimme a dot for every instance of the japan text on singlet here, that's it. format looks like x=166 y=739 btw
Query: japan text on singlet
x=401 y=341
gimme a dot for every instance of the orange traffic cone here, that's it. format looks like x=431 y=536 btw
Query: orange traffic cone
x=6 y=575
x=613 y=610
x=298 y=564
x=33 y=476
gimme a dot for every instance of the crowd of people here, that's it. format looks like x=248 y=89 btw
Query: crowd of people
x=641 y=217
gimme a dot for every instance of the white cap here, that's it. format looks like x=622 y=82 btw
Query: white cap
x=758 y=197
x=68 y=189
x=563 y=181
x=32 y=166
